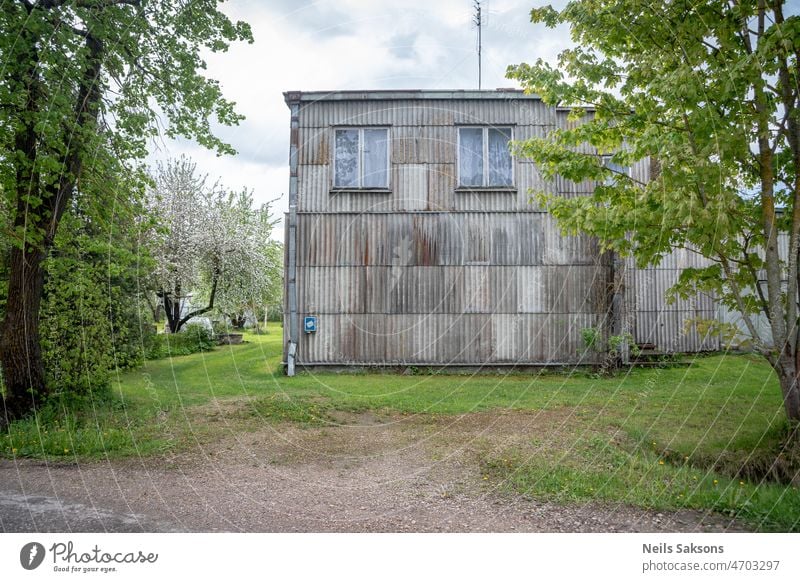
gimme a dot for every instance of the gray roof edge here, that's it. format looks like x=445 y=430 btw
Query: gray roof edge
x=392 y=95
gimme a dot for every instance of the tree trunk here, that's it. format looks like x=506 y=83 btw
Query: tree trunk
x=787 y=369
x=20 y=351
x=172 y=308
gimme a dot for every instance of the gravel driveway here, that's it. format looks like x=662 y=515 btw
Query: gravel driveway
x=367 y=474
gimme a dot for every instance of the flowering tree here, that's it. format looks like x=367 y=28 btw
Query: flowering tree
x=211 y=246
x=251 y=269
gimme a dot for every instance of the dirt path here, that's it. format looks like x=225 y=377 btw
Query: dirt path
x=368 y=474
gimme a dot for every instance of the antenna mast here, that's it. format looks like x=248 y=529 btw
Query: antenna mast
x=478 y=22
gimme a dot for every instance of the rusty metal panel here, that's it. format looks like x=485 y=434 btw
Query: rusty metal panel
x=406 y=142
x=314 y=146
x=438 y=145
x=333 y=289
x=423 y=144
x=441 y=186
x=446 y=339
x=440 y=238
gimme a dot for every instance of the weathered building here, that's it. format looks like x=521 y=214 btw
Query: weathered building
x=412 y=240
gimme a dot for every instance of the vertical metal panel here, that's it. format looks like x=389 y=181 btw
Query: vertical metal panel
x=313 y=185
x=506 y=334
x=640 y=171
x=314 y=146
x=667 y=330
x=682 y=259
x=485 y=201
x=489 y=289
x=569 y=189
x=529 y=183
x=651 y=289
x=410 y=186
x=441 y=239
x=562 y=249
x=438 y=145
x=427 y=112
x=406 y=142
x=572 y=289
x=441 y=186
x=553 y=338
x=525 y=132
x=663 y=324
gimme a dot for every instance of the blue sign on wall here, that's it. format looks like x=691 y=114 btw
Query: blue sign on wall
x=310 y=324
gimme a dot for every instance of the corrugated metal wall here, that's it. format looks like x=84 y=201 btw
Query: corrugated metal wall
x=428 y=274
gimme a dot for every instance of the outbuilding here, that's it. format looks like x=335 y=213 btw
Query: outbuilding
x=412 y=240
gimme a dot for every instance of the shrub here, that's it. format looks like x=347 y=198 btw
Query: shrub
x=192 y=339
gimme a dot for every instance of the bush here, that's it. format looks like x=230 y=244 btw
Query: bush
x=192 y=339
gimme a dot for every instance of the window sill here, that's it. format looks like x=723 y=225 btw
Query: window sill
x=361 y=191
x=486 y=189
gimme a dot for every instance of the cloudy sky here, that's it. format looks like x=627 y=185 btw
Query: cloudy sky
x=303 y=45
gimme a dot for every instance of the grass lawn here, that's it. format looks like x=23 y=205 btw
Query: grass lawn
x=662 y=438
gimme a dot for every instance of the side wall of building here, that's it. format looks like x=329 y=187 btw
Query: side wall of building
x=429 y=274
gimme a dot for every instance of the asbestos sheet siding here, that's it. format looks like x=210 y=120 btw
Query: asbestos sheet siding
x=562 y=290
x=429 y=112
x=445 y=339
x=438 y=239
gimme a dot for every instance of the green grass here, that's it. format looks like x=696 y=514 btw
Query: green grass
x=657 y=438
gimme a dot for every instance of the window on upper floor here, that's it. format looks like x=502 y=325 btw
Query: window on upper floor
x=361 y=158
x=616 y=169
x=484 y=160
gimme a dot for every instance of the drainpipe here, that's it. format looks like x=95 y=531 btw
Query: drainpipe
x=293 y=101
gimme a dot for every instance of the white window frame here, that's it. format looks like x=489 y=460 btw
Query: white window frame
x=485 y=143
x=360 y=159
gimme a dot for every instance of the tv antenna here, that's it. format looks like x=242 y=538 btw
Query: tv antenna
x=478 y=21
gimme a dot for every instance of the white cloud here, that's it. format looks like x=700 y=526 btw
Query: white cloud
x=350 y=44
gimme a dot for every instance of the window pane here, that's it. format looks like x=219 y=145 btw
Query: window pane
x=376 y=171
x=470 y=156
x=346 y=158
x=499 y=156
x=614 y=167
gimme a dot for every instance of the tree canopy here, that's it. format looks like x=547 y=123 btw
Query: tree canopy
x=85 y=84
x=209 y=244
x=706 y=92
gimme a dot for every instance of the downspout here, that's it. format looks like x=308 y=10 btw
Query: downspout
x=293 y=101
